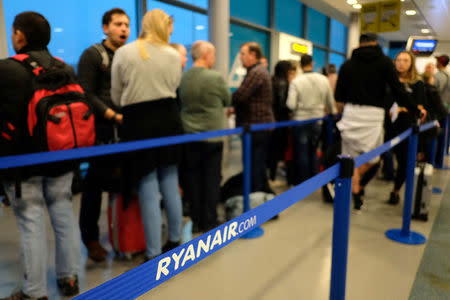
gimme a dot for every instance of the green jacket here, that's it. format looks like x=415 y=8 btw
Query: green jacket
x=203 y=94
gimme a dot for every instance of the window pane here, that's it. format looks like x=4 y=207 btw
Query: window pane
x=337 y=59
x=289 y=17
x=72 y=32
x=320 y=59
x=338 y=36
x=188 y=27
x=199 y=3
x=254 y=11
x=317 y=27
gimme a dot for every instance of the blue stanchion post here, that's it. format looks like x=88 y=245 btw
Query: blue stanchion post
x=341 y=225
x=443 y=145
x=246 y=161
x=447 y=134
x=405 y=235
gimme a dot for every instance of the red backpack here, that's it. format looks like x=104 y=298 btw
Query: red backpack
x=59 y=116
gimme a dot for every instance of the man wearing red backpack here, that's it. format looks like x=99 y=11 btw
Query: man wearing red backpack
x=31 y=188
x=94 y=74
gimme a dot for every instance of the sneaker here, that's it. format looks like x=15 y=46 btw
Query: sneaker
x=21 y=296
x=68 y=285
x=170 y=245
x=394 y=199
x=357 y=201
x=96 y=252
x=274 y=218
x=147 y=258
x=421 y=217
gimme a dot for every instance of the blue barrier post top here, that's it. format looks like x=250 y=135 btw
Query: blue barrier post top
x=429 y=125
x=347 y=166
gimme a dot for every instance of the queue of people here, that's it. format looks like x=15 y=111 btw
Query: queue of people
x=139 y=91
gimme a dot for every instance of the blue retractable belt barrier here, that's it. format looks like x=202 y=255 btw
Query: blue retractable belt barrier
x=79 y=153
x=428 y=126
x=366 y=157
x=147 y=276
x=443 y=141
x=140 y=280
x=267 y=126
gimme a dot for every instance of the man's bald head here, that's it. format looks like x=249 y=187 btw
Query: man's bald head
x=203 y=52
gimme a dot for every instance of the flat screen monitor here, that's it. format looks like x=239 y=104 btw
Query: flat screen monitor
x=423 y=47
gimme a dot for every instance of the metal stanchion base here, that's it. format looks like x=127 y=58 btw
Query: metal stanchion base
x=255 y=233
x=413 y=238
x=437 y=190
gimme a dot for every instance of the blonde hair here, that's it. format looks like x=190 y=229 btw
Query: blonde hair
x=413 y=75
x=155 y=30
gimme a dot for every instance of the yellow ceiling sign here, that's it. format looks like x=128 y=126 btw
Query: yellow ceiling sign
x=369 y=17
x=380 y=16
x=299 y=48
x=390 y=16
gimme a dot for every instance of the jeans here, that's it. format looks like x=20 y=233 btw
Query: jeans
x=56 y=194
x=164 y=180
x=201 y=175
x=306 y=140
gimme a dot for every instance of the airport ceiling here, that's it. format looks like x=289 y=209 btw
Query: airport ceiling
x=433 y=15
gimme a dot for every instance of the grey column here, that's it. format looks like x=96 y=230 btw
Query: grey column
x=219 y=29
x=353 y=33
x=3 y=36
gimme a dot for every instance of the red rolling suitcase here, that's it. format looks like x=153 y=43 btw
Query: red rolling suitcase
x=126 y=230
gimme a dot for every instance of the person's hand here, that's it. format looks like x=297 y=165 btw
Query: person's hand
x=422 y=114
x=119 y=119
x=230 y=111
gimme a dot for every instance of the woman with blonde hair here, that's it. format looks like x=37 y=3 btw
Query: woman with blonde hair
x=144 y=78
x=405 y=64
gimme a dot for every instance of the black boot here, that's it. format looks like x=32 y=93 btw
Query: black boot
x=394 y=199
x=357 y=201
x=170 y=245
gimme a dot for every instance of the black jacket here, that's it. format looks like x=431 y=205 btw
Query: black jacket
x=280 y=93
x=362 y=80
x=435 y=107
x=15 y=92
x=146 y=120
x=96 y=82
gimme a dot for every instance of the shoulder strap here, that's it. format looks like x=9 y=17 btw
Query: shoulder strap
x=105 y=58
x=32 y=64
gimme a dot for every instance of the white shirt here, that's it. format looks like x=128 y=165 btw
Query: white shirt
x=308 y=96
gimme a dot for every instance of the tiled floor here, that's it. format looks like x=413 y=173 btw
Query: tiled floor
x=290 y=261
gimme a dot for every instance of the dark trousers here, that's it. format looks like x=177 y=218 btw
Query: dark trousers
x=388 y=165
x=91 y=200
x=306 y=140
x=401 y=153
x=260 y=141
x=276 y=148
x=403 y=122
x=201 y=176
